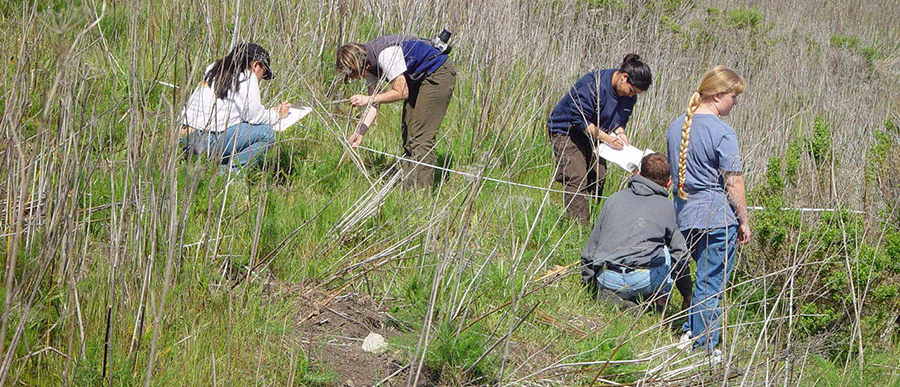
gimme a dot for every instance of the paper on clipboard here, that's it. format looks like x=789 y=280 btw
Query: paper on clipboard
x=629 y=157
x=294 y=115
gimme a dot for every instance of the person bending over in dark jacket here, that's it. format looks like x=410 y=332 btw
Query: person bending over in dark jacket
x=635 y=241
x=421 y=76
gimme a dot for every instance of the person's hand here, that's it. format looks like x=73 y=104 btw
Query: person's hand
x=360 y=100
x=612 y=141
x=283 y=110
x=744 y=233
x=623 y=137
x=355 y=140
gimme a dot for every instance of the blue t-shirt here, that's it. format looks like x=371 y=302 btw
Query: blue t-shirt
x=591 y=101
x=712 y=150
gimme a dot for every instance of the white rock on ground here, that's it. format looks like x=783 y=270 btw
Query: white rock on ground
x=374 y=343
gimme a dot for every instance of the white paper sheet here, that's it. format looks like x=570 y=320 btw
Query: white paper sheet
x=629 y=157
x=294 y=115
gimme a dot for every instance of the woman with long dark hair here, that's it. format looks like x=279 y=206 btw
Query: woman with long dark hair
x=224 y=117
x=596 y=108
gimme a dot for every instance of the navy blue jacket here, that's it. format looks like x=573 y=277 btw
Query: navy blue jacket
x=591 y=101
x=421 y=57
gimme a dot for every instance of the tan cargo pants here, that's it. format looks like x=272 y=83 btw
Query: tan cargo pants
x=423 y=112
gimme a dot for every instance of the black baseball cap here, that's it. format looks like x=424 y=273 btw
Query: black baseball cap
x=256 y=53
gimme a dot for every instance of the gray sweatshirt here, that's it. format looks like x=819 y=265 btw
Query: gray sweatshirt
x=633 y=227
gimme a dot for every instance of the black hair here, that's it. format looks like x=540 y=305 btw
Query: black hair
x=638 y=72
x=223 y=75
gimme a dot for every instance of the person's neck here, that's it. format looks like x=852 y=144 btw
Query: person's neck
x=615 y=80
x=707 y=108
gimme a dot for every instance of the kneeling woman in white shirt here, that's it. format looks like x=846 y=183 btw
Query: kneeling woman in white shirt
x=224 y=117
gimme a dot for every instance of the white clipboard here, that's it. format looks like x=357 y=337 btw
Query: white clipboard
x=629 y=157
x=294 y=115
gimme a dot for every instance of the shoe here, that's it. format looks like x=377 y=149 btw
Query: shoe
x=610 y=298
x=685 y=341
x=715 y=357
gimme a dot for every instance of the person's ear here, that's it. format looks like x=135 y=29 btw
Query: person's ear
x=718 y=97
x=668 y=182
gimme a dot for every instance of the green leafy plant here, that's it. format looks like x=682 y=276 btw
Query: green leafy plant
x=745 y=18
x=819 y=143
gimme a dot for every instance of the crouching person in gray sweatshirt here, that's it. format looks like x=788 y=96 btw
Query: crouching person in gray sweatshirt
x=636 y=242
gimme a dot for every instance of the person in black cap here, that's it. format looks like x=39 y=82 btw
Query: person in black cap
x=224 y=117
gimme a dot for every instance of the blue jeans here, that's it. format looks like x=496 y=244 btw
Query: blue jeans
x=714 y=251
x=642 y=283
x=239 y=145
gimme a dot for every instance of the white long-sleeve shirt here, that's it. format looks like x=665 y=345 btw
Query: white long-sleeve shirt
x=206 y=112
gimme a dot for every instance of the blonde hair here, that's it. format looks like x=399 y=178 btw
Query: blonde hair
x=719 y=79
x=351 y=58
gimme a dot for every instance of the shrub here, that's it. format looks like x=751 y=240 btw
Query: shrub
x=819 y=144
x=603 y=4
x=843 y=41
x=745 y=18
x=792 y=160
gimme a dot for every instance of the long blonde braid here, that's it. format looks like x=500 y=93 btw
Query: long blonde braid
x=685 y=139
x=719 y=79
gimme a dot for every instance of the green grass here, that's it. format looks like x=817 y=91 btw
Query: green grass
x=103 y=142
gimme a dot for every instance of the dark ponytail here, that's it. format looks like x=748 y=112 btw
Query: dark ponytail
x=638 y=72
x=223 y=76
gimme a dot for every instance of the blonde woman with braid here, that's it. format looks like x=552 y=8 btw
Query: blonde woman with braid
x=710 y=204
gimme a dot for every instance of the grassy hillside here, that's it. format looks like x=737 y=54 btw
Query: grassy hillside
x=127 y=264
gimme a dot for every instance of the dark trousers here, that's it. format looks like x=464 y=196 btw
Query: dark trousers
x=423 y=112
x=579 y=171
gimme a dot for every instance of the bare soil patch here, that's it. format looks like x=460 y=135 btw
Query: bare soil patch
x=332 y=332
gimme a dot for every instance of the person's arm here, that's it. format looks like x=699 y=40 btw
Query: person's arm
x=589 y=266
x=608 y=139
x=676 y=243
x=247 y=99
x=399 y=91
x=734 y=185
x=623 y=115
x=728 y=152
x=367 y=119
x=590 y=248
x=393 y=65
x=680 y=270
x=587 y=104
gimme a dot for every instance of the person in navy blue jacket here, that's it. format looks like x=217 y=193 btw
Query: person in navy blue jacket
x=596 y=108
x=421 y=76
